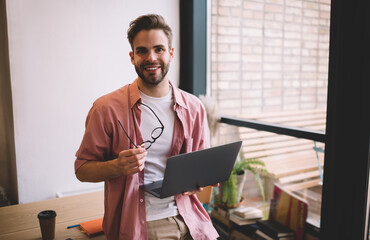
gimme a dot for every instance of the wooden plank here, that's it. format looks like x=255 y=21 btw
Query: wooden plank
x=289 y=160
x=265 y=140
x=292 y=163
x=271 y=152
x=294 y=157
x=294 y=170
x=250 y=134
x=286 y=113
x=303 y=185
x=250 y=142
x=298 y=118
x=288 y=167
x=282 y=144
x=284 y=166
x=23 y=217
x=299 y=177
x=61 y=231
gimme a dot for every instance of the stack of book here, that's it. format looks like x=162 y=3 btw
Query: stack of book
x=287 y=217
x=221 y=215
x=245 y=215
x=244 y=232
x=289 y=209
x=227 y=221
x=221 y=221
x=248 y=212
x=240 y=216
x=273 y=230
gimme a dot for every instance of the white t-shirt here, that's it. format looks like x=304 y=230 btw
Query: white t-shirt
x=156 y=159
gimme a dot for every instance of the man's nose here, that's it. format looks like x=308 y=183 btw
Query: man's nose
x=151 y=56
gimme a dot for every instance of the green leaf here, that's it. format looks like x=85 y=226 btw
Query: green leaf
x=230 y=188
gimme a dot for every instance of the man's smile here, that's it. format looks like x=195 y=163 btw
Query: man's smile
x=151 y=68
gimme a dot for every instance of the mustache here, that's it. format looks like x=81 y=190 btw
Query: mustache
x=151 y=63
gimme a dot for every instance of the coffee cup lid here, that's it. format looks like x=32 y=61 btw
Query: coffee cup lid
x=47 y=214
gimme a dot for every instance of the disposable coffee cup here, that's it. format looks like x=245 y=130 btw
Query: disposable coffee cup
x=47 y=224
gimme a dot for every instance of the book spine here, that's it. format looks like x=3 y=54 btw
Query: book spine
x=267 y=230
x=259 y=235
x=220 y=218
x=273 y=232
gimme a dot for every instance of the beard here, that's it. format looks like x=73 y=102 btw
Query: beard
x=152 y=79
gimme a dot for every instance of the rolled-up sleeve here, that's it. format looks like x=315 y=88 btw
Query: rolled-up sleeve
x=96 y=142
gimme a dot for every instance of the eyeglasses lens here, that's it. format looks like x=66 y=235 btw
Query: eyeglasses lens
x=157 y=132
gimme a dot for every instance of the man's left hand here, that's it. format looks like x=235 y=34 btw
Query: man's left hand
x=198 y=190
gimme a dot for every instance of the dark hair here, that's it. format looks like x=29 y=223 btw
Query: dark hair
x=148 y=22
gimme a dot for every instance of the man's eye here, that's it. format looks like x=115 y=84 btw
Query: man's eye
x=160 y=50
x=140 y=51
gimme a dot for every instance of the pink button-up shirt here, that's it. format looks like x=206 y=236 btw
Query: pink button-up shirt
x=125 y=216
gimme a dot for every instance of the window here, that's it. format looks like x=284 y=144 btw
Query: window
x=269 y=56
x=347 y=134
x=269 y=62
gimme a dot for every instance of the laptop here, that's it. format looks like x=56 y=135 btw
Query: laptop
x=188 y=171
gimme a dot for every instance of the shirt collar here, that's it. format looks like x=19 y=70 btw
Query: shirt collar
x=177 y=96
x=135 y=95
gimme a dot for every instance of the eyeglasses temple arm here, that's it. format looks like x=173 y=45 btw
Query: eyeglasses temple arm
x=126 y=133
x=154 y=114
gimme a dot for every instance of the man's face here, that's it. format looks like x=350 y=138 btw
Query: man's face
x=151 y=56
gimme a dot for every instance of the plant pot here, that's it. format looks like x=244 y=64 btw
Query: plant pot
x=230 y=191
x=226 y=206
x=240 y=183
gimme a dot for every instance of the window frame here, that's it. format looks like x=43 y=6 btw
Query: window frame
x=348 y=101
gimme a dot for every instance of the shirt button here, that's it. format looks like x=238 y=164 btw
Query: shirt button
x=141 y=200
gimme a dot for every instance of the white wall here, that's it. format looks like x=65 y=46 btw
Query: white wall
x=63 y=55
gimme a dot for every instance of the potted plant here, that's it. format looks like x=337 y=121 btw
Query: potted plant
x=230 y=191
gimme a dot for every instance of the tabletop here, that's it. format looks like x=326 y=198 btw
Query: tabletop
x=21 y=222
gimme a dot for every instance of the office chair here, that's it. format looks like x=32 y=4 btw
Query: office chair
x=205 y=196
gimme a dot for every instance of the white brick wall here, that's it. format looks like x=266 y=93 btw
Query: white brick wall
x=269 y=55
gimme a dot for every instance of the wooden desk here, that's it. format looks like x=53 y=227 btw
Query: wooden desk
x=21 y=222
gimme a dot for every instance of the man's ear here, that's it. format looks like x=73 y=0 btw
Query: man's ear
x=172 y=53
x=132 y=57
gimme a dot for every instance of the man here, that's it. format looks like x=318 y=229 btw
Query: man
x=129 y=135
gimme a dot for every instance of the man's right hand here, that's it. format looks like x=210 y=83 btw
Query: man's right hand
x=131 y=161
x=128 y=162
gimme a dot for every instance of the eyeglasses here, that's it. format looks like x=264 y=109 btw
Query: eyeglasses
x=156 y=133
